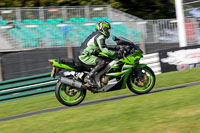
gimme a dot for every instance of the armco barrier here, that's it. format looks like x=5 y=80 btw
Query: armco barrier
x=43 y=83
x=153 y=61
x=22 y=87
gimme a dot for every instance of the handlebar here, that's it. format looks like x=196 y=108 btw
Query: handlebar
x=126 y=43
x=115 y=38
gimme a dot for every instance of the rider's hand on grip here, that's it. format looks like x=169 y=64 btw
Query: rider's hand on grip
x=120 y=52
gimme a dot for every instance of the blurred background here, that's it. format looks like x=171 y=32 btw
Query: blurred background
x=33 y=31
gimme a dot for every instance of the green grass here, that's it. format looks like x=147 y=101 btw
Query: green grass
x=49 y=101
x=177 y=77
x=174 y=111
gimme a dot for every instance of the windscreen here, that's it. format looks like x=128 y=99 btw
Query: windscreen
x=126 y=40
x=130 y=42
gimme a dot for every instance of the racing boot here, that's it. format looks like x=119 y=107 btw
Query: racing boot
x=90 y=77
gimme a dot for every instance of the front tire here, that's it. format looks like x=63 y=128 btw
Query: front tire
x=68 y=98
x=142 y=87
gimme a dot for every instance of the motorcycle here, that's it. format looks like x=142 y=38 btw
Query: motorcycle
x=119 y=72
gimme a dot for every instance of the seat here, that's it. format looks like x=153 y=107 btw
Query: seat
x=69 y=62
x=77 y=64
x=82 y=66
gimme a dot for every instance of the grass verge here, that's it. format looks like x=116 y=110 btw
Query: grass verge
x=49 y=101
x=175 y=111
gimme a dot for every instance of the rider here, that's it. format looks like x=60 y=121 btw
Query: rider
x=92 y=46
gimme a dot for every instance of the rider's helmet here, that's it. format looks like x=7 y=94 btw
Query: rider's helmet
x=103 y=27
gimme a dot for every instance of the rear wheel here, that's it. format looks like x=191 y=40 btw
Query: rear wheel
x=68 y=95
x=144 y=84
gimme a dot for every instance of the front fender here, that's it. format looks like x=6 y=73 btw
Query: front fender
x=142 y=65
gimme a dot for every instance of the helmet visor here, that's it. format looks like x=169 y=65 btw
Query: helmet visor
x=106 y=29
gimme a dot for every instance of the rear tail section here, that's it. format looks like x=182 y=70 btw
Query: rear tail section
x=55 y=63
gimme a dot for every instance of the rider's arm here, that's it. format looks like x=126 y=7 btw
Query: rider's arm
x=103 y=47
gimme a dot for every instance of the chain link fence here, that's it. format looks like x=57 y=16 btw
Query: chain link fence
x=68 y=34
x=69 y=26
x=43 y=13
x=192 y=13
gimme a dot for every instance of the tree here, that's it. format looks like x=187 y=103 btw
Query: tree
x=151 y=9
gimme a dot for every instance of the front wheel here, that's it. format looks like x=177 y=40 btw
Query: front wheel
x=144 y=84
x=68 y=95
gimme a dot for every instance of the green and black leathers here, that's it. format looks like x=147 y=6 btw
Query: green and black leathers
x=90 y=48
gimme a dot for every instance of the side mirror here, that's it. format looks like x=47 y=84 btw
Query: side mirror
x=115 y=38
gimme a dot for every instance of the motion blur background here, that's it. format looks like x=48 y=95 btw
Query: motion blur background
x=33 y=31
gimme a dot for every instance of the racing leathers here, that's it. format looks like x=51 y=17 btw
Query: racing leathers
x=90 y=48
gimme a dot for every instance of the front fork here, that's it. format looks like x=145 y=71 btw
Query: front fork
x=138 y=70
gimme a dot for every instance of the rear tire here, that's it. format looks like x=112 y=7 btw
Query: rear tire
x=65 y=99
x=149 y=84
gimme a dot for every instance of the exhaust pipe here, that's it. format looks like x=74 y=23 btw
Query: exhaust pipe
x=71 y=82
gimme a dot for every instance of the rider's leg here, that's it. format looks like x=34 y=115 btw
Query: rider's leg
x=100 y=63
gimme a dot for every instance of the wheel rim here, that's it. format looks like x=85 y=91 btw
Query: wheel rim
x=147 y=86
x=69 y=99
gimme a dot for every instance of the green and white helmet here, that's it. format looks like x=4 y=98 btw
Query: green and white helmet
x=103 y=27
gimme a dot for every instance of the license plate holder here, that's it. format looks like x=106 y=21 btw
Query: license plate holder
x=53 y=72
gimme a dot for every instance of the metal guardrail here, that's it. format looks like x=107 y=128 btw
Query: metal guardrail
x=64 y=12
x=26 y=86
x=153 y=61
x=43 y=13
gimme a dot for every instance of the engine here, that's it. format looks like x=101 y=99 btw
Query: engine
x=80 y=75
x=76 y=75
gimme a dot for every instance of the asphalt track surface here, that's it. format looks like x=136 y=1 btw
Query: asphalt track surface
x=97 y=101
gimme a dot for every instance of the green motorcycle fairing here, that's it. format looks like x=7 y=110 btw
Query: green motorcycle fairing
x=122 y=68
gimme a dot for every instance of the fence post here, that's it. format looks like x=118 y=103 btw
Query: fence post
x=64 y=13
x=141 y=26
x=41 y=13
x=142 y=44
x=181 y=23
x=69 y=51
x=18 y=14
x=109 y=13
x=196 y=31
x=87 y=12
x=156 y=31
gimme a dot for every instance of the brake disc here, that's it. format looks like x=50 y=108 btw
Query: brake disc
x=143 y=81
